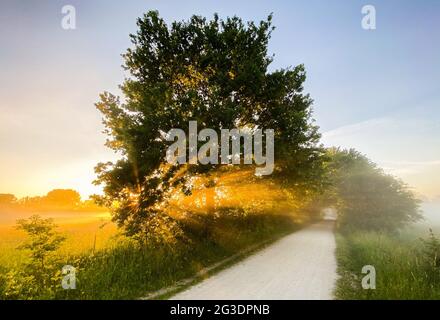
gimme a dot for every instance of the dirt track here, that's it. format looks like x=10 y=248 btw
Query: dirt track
x=299 y=266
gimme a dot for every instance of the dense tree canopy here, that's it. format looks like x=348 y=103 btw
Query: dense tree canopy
x=366 y=197
x=212 y=71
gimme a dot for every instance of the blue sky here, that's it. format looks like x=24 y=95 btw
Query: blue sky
x=377 y=91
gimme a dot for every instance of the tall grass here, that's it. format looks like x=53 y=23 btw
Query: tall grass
x=403 y=264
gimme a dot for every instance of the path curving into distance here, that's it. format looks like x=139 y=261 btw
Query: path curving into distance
x=301 y=265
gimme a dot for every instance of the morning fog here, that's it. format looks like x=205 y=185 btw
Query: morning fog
x=208 y=153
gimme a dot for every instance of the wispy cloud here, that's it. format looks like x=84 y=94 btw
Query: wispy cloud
x=403 y=145
x=358 y=127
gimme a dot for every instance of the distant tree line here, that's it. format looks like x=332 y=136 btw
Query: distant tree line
x=57 y=199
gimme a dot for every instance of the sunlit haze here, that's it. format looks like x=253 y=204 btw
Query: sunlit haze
x=374 y=91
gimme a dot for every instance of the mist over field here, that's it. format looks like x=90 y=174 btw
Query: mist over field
x=431 y=214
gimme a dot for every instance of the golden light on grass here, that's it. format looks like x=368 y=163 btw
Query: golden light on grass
x=79 y=228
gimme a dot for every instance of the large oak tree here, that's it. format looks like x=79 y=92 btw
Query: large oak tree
x=212 y=71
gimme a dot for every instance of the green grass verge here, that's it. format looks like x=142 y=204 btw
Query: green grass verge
x=406 y=267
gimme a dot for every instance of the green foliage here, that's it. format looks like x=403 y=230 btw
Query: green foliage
x=41 y=275
x=366 y=197
x=18 y=285
x=212 y=71
x=405 y=268
x=43 y=239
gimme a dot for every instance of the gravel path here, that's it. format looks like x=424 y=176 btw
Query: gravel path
x=301 y=265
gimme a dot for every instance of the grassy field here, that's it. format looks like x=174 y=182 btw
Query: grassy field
x=80 y=228
x=118 y=267
x=406 y=267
